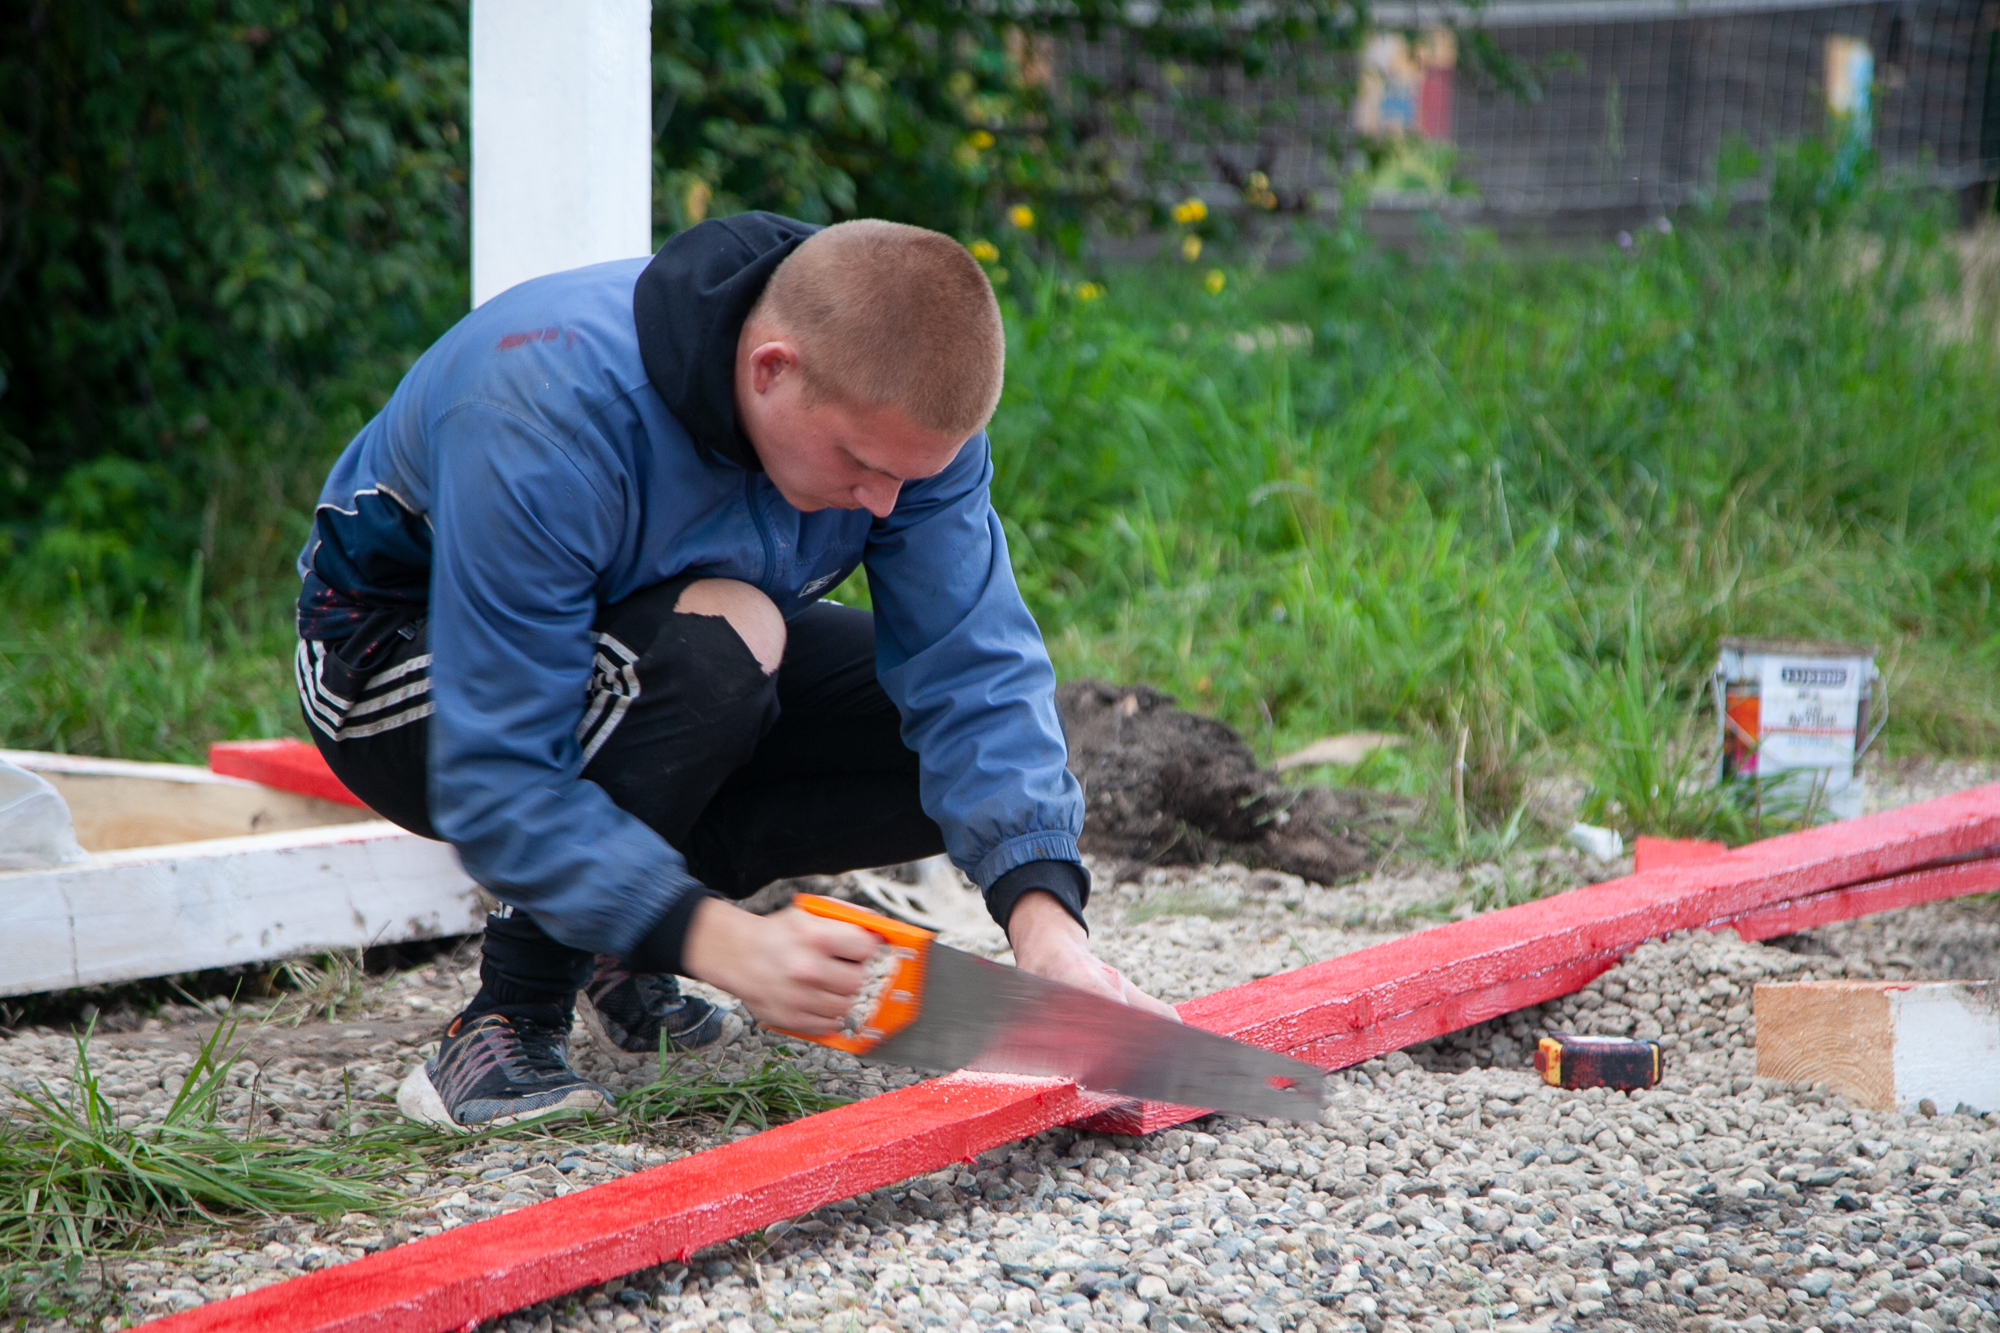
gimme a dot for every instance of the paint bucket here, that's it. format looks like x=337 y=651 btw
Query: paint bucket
x=1797 y=716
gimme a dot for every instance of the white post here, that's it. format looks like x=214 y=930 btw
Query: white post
x=562 y=137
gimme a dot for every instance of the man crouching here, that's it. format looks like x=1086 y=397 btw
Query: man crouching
x=562 y=608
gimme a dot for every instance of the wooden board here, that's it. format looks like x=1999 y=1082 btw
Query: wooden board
x=1884 y=1045
x=1650 y=853
x=115 y=803
x=1881 y=895
x=292 y=765
x=1326 y=1012
x=460 y=1277
x=155 y=911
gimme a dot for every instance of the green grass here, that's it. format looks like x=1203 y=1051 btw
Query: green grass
x=77 y=1187
x=1456 y=509
x=771 y=1094
x=75 y=1184
x=78 y=679
x=1436 y=495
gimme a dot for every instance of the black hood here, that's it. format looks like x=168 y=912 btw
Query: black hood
x=689 y=307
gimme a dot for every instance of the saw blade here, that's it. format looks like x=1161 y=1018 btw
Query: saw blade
x=977 y=1014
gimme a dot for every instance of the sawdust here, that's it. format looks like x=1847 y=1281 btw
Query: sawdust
x=1163 y=786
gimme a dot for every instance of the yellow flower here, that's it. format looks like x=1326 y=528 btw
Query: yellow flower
x=1190 y=248
x=984 y=251
x=1213 y=282
x=1021 y=216
x=1259 y=181
x=981 y=140
x=695 y=202
x=1088 y=291
x=1190 y=211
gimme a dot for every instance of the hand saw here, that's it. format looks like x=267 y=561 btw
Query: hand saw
x=929 y=1006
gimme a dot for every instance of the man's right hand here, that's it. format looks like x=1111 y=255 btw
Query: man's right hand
x=794 y=971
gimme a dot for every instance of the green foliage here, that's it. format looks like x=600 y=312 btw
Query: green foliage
x=1650 y=771
x=82 y=680
x=941 y=112
x=225 y=226
x=206 y=212
x=1421 y=494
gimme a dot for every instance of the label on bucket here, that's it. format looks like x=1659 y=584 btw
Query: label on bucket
x=1794 y=716
x=1808 y=711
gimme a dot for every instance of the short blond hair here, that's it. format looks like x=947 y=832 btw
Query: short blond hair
x=883 y=313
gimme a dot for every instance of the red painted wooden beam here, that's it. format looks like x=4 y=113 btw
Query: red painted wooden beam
x=1337 y=1012
x=1650 y=853
x=1377 y=1000
x=1330 y=1007
x=1882 y=895
x=474 y=1272
x=286 y=764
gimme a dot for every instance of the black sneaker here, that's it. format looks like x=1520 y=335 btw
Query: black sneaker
x=495 y=1070
x=630 y=1013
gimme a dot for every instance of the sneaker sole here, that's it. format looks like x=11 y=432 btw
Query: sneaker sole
x=733 y=1027
x=417 y=1098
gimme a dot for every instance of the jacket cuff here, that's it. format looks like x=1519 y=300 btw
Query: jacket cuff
x=1046 y=845
x=659 y=949
x=1068 y=881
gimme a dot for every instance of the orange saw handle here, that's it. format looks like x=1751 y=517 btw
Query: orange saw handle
x=894 y=995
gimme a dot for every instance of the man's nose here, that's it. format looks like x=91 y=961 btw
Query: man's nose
x=878 y=498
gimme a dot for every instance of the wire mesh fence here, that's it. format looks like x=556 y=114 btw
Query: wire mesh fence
x=1588 y=107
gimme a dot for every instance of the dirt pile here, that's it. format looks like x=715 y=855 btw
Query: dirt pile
x=1164 y=786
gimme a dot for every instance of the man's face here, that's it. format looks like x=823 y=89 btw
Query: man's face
x=827 y=455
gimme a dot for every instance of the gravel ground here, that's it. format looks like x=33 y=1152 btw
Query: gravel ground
x=1446 y=1189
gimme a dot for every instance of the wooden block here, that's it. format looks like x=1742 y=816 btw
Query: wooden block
x=1885 y=1045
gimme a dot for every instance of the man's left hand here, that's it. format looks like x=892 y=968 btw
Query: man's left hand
x=1049 y=943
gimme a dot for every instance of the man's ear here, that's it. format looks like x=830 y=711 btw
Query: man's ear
x=770 y=362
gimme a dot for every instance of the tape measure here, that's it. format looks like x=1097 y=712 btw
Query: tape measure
x=1566 y=1060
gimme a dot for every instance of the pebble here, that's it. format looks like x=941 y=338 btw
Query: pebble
x=1446 y=1188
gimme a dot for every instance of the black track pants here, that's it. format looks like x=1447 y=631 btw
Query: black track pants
x=752 y=778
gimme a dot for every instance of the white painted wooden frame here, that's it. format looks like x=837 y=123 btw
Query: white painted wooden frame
x=180 y=907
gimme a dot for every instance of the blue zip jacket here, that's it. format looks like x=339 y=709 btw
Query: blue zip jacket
x=529 y=469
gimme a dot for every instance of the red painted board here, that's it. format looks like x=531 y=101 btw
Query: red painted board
x=1923 y=886
x=1376 y=1000
x=1341 y=1051
x=1461 y=1011
x=1316 y=1007
x=285 y=763
x=483 y=1269
x=1650 y=853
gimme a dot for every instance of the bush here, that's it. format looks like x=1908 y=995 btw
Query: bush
x=209 y=211
x=225 y=226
